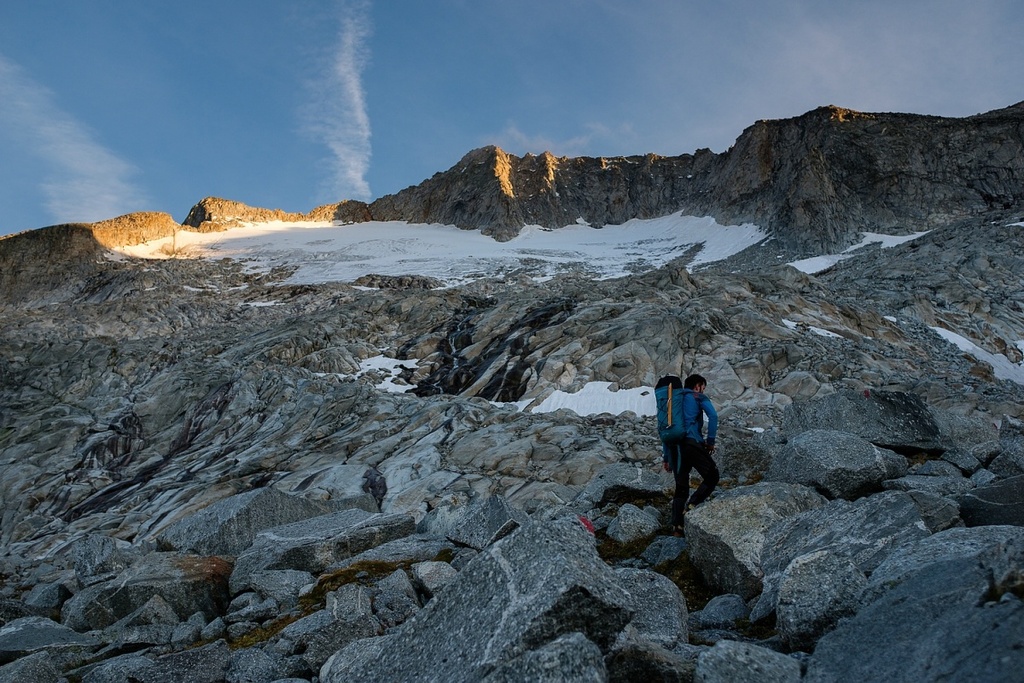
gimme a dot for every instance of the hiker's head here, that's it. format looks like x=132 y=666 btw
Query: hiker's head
x=695 y=382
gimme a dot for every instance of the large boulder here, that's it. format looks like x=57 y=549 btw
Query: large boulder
x=1010 y=461
x=726 y=534
x=229 y=526
x=570 y=657
x=314 y=544
x=837 y=464
x=475 y=524
x=621 y=482
x=734 y=662
x=187 y=583
x=38 y=667
x=659 y=608
x=1001 y=502
x=29 y=635
x=207 y=664
x=865 y=531
x=519 y=595
x=891 y=419
x=815 y=591
x=947 y=607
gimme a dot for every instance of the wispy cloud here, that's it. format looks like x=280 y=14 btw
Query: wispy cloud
x=84 y=180
x=337 y=115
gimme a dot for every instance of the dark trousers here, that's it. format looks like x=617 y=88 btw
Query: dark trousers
x=691 y=455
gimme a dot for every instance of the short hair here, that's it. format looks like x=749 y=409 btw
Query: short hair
x=693 y=380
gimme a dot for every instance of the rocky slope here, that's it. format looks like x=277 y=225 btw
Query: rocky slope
x=200 y=480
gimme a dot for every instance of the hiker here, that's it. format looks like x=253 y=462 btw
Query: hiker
x=681 y=410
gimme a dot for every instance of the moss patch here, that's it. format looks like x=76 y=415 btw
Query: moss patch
x=265 y=632
x=685 y=576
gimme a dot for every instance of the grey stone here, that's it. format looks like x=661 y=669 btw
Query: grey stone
x=206 y=664
x=280 y=585
x=395 y=599
x=948 y=582
x=253 y=665
x=48 y=598
x=215 y=629
x=866 y=531
x=659 y=608
x=632 y=524
x=415 y=548
x=963 y=460
x=890 y=419
x=28 y=635
x=228 y=526
x=570 y=657
x=355 y=656
x=555 y=585
x=734 y=662
x=348 y=616
x=815 y=591
x=128 y=667
x=938 y=512
x=187 y=583
x=97 y=556
x=641 y=660
x=430 y=577
x=251 y=607
x=487 y=523
x=663 y=549
x=938 y=468
x=38 y=667
x=721 y=611
x=939 y=486
x=726 y=534
x=1001 y=502
x=620 y=483
x=837 y=464
x=314 y=544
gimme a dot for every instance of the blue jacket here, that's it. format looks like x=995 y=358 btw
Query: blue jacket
x=694 y=412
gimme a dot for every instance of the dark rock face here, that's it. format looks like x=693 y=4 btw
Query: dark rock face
x=813 y=180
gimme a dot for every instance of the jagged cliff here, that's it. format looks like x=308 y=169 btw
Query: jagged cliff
x=814 y=180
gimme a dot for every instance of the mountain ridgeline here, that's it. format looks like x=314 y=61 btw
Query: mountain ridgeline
x=212 y=471
x=814 y=181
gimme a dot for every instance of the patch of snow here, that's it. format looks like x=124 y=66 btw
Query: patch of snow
x=390 y=368
x=596 y=398
x=1002 y=367
x=824 y=333
x=817 y=264
x=330 y=252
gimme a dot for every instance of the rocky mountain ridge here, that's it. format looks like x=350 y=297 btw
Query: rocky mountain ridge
x=202 y=476
x=813 y=181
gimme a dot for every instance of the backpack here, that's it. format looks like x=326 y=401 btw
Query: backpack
x=669 y=397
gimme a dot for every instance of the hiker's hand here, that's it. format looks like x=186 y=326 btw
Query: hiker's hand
x=710 y=445
x=664 y=466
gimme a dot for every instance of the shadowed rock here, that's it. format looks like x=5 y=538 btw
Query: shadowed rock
x=551 y=584
x=890 y=419
x=229 y=526
x=837 y=464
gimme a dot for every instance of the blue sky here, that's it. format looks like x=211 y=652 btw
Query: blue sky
x=114 y=106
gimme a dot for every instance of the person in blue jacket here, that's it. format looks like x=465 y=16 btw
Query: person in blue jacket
x=694 y=451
